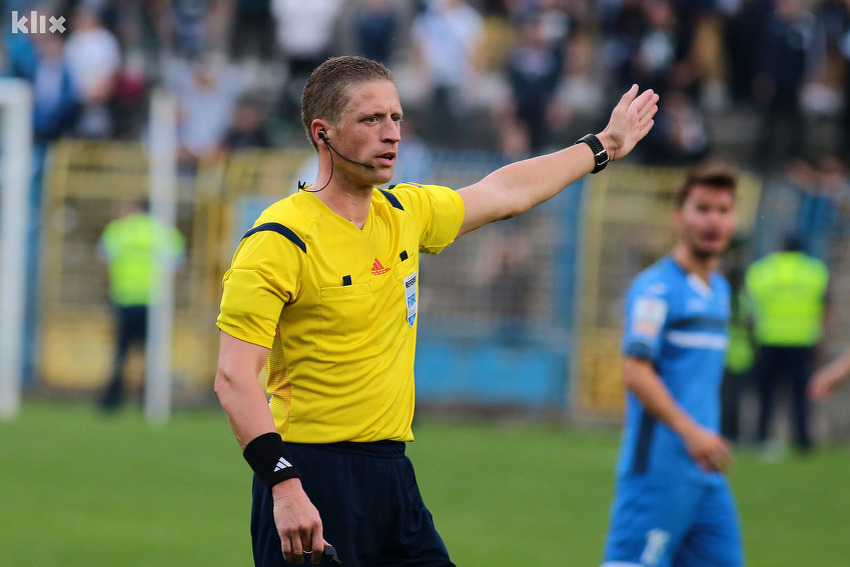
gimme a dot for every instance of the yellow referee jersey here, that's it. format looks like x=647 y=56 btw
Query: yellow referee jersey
x=337 y=306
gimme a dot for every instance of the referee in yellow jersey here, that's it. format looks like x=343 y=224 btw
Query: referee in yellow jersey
x=323 y=291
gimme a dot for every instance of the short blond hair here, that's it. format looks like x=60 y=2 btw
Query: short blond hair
x=325 y=94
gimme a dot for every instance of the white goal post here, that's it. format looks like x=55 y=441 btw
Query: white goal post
x=15 y=178
x=163 y=187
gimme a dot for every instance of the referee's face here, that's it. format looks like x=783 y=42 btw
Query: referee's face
x=706 y=221
x=369 y=132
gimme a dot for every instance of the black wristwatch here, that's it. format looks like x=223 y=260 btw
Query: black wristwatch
x=599 y=153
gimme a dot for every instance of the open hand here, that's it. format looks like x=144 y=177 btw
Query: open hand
x=630 y=121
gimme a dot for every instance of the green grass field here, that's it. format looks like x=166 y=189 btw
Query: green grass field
x=80 y=489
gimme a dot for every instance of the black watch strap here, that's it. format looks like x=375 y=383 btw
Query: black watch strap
x=600 y=156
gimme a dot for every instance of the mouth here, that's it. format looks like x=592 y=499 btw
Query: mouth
x=712 y=239
x=386 y=159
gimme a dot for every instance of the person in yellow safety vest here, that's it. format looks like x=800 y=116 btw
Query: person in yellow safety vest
x=137 y=249
x=787 y=291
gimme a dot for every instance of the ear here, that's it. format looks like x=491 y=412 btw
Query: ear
x=318 y=125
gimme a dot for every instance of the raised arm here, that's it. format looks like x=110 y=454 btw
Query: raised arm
x=517 y=187
x=707 y=448
x=245 y=403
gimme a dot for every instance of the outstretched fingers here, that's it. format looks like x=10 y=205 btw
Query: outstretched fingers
x=628 y=97
x=642 y=111
x=645 y=106
x=630 y=121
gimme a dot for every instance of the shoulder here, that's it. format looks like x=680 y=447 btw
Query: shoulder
x=817 y=264
x=286 y=218
x=758 y=266
x=415 y=196
x=657 y=280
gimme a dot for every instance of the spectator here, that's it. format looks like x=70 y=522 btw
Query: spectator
x=252 y=32
x=657 y=49
x=190 y=29
x=836 y=18
x=130 y=100
x=306 y=33
x=790 y=54
x=579 y=97
x=680 y=136
x=533 y=70
x=94 y=57
x=787 y=291
x=624 y=24
x=743 y=25
x=375 y=25
x=817 y=214
x=246 y=129
x=447 y=40
x=505 y=266
x=40 y=59
x=206 y=96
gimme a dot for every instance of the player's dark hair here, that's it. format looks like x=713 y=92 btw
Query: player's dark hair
x=714 y=174
x=326 y=91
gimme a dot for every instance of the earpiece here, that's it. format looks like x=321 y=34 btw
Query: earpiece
x=322 y=136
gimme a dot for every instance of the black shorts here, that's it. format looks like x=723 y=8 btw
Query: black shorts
x=369 y=502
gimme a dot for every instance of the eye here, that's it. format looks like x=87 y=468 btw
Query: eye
x=371 y=119
x=397 y=118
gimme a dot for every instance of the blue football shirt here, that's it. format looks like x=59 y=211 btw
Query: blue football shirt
x=678 y=323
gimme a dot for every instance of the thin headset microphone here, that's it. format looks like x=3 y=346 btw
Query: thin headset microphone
x=323 y=137
x=303 y=186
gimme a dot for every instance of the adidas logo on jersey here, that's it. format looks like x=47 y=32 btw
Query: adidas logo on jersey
x=282 y=464
x=378 y=268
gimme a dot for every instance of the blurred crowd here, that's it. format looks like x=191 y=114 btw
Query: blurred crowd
x=762 y=81
x=765 y=77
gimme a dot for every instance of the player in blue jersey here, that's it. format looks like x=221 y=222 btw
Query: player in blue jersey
x=673 y=506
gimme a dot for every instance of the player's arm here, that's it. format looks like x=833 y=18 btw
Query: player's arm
x=517 y=187
x=829 y=377
x=708 y=449
x=244 y=401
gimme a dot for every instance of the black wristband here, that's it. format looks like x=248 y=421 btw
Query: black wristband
x=600 y=156
x=268 y=457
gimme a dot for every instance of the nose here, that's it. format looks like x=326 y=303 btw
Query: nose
x=392 y=131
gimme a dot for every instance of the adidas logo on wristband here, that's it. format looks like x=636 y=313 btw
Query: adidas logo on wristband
x=264 y=450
